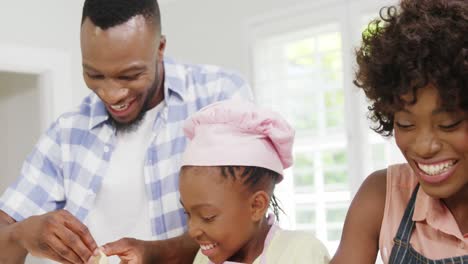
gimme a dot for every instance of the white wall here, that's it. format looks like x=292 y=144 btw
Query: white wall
x=201 y=31
x=215 y=31
x=19 y=97
x=50 y=24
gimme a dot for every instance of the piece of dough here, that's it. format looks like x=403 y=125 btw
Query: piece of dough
x=101 y=259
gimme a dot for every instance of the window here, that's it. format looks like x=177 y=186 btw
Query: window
x=302 y=68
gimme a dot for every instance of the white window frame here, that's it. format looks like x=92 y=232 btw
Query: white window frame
x=349 y=15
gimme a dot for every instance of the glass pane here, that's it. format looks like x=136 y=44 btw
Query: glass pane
x=303 y=119
x=335 y=219
x=329 y=41
x=301 y=76
x=330 y=69
x=299 y=107
x=333 y=234
x=335 y=120
x=334 y=164
x=331 y=61
x=301 y=52
x=334 y=157
x=331 y=79
x=334 y=99
x=335 y=180
x=334 y=103
x=306 y=217
x=304 y=172
x=301 y=70
x=336 y=215
x=378 y=156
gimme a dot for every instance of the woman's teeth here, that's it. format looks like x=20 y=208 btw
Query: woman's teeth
x=436 y=169
x=119 y=107
x=207 y=247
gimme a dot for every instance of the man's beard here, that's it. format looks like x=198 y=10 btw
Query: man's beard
x=135 y=123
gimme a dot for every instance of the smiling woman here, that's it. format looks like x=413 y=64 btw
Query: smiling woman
x=413 y=67
x=434 y=141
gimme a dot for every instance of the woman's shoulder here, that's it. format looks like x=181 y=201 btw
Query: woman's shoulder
x=374 y=186
x=363 y=221
x=383 y=183
x=385 y=191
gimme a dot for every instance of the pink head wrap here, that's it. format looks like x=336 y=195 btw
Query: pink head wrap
x=238 y=133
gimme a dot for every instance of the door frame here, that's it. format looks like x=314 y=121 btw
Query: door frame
x=53 y=70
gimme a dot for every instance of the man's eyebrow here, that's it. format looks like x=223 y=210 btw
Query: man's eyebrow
x=131 y=68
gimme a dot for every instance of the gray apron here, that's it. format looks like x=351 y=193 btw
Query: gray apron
x=403 y=252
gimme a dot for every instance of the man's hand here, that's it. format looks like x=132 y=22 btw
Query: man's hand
x=129 y=250
x=56 y=235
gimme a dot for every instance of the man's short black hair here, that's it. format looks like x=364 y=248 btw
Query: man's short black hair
x=109 y=13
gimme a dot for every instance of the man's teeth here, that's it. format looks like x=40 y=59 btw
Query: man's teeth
x=436 y=169
x=207 y=247
x=119 y=107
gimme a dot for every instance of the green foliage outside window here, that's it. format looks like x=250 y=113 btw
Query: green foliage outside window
x=335 y=218
x=334 y=163
x=334 y=103
x=334 y=234
x=331 y=158
x=305 y=216
x=300 y=52
x=336 y=215
x=304 y=171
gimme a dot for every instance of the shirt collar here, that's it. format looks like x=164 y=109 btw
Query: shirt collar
x=436 y=214
x=98 y=113
x=174 y=79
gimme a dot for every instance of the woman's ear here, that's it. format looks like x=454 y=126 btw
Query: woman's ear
x=259 y=203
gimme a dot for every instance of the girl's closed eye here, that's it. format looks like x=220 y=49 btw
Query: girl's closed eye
x=451 y=125
x=209 y=219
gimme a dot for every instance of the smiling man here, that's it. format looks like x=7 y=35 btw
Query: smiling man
x=133 y=85
x=109 y=169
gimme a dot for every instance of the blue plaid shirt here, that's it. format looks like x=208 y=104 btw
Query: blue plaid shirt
x=66 y=167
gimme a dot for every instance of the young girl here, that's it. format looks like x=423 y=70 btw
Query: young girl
x=413 y=67
x=235 y=157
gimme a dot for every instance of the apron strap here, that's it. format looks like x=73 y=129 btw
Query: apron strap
x=406 y=225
